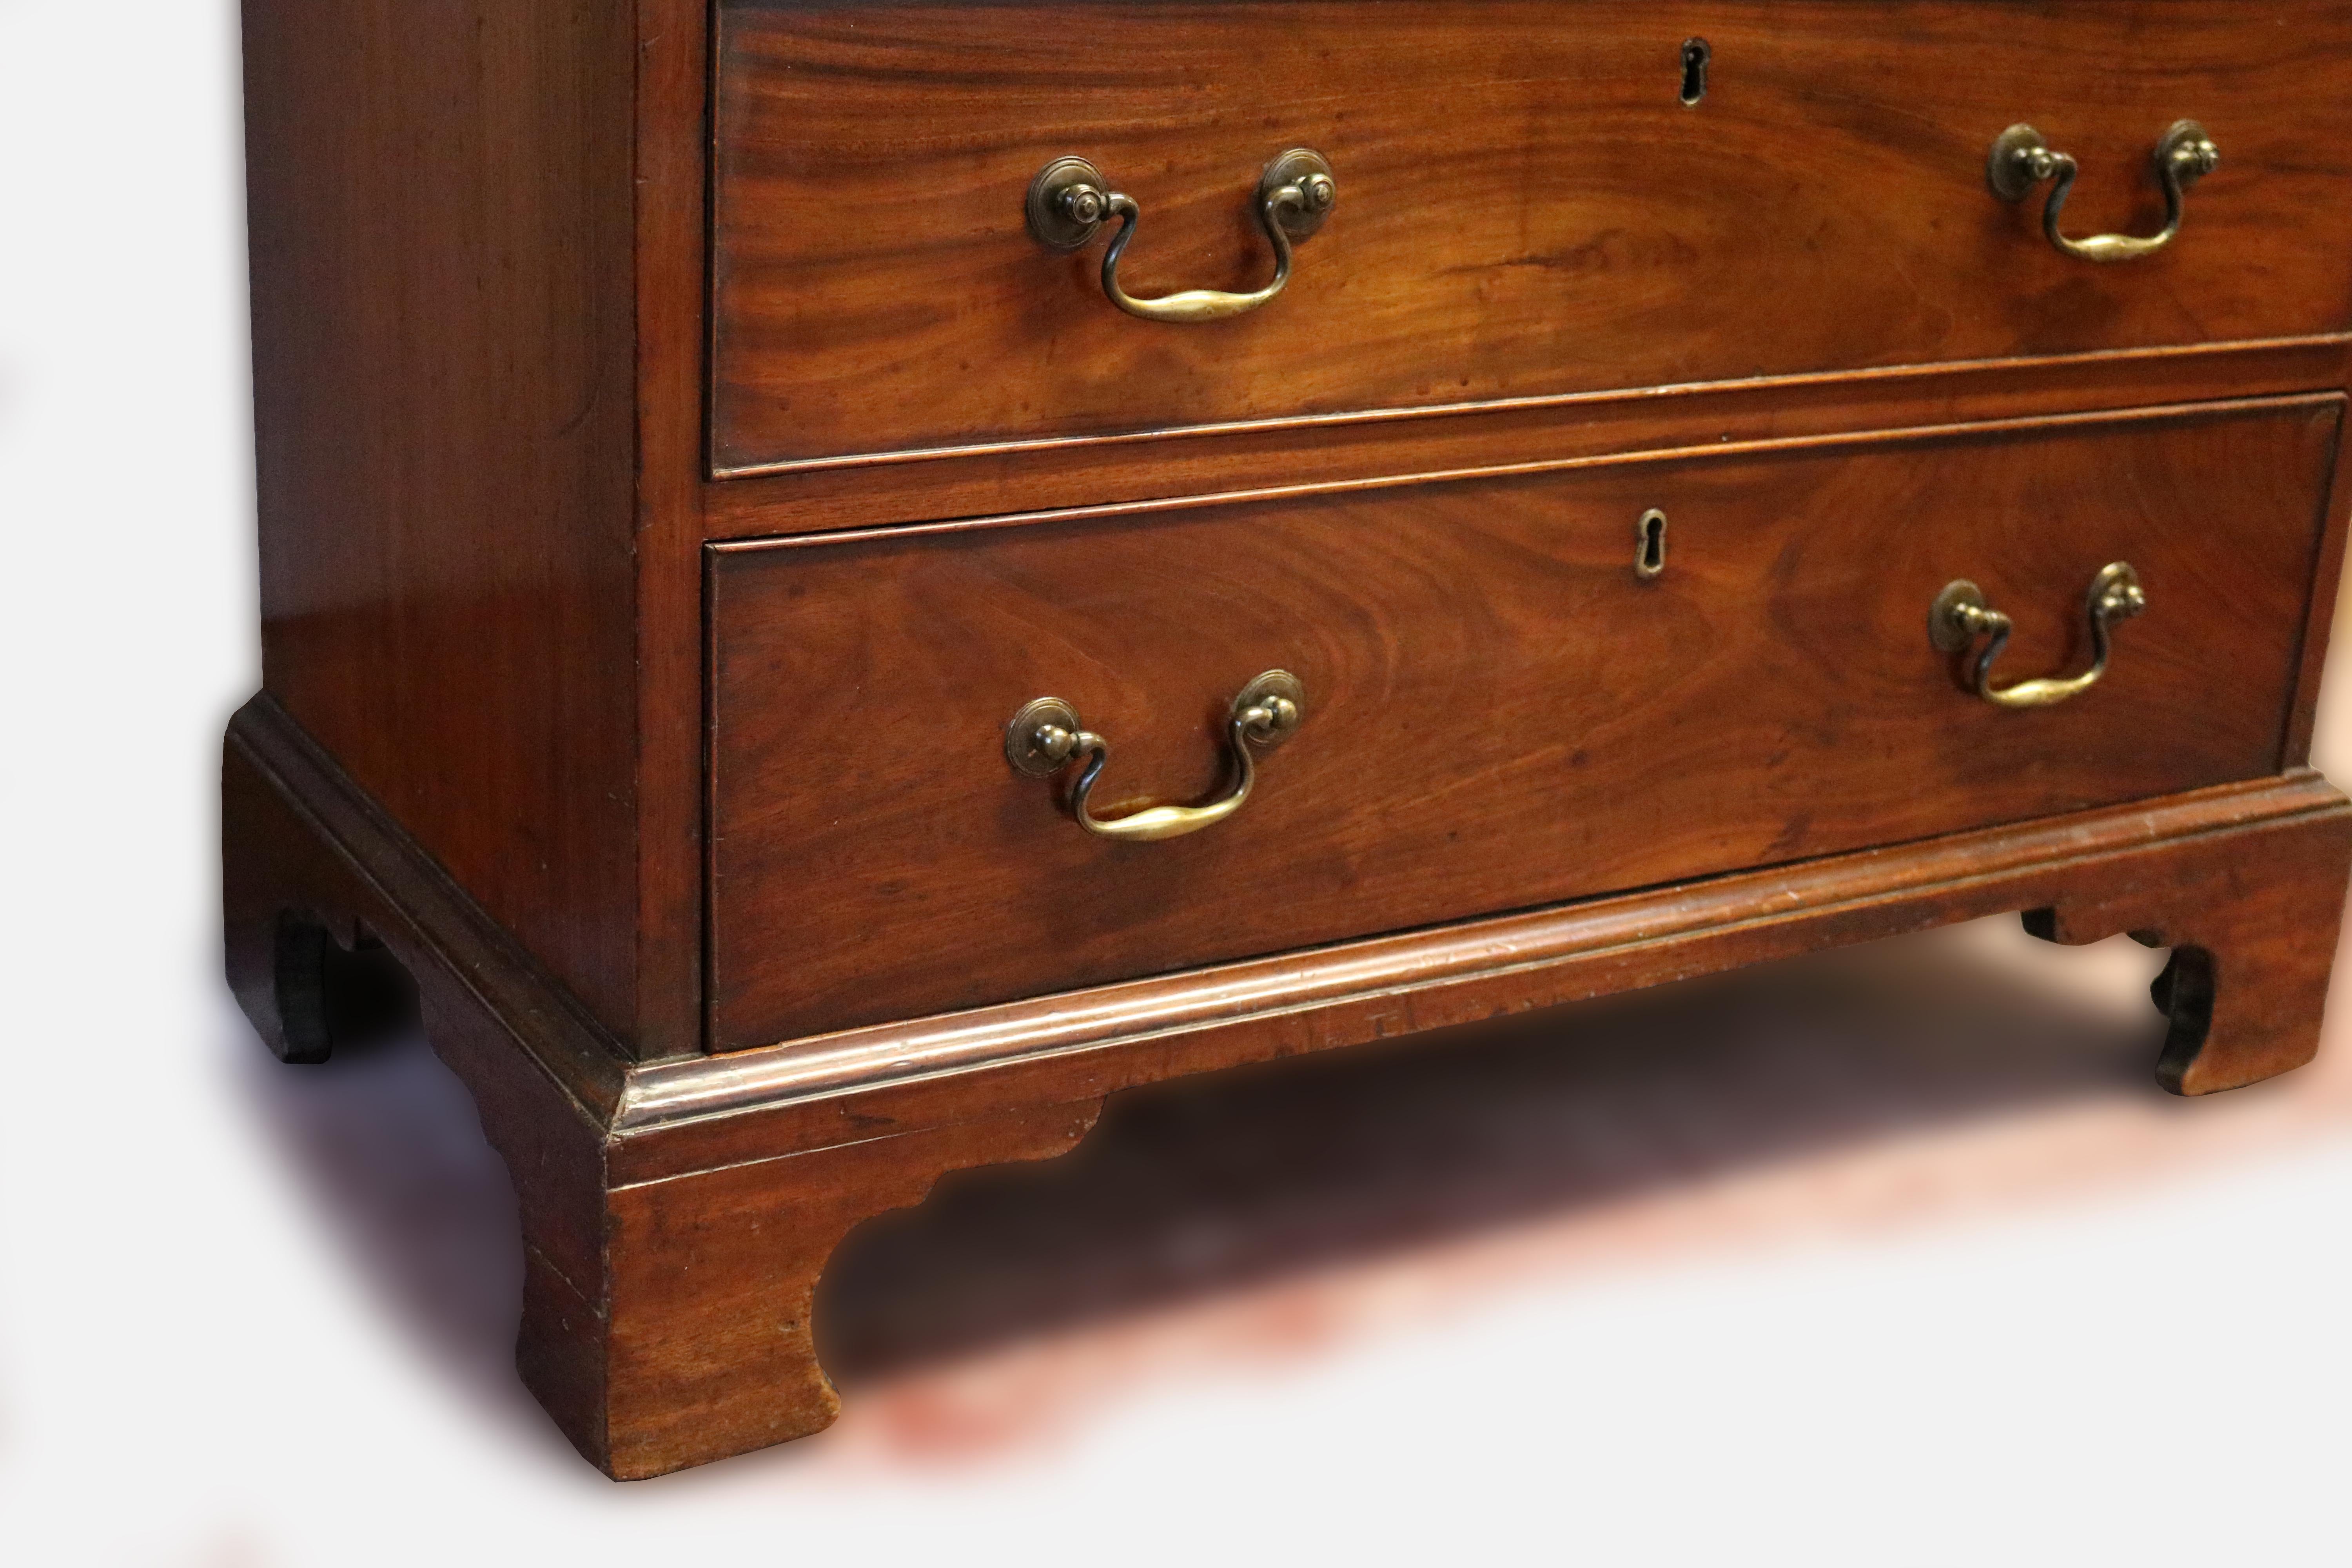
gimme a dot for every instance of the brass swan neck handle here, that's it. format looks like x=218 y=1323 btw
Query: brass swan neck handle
x=2021 y=159
x=1960 y=616
x=1069 y=201
x=1045 y=735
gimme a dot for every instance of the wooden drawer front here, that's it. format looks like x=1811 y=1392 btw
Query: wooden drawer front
x=1525 y=206
x=1498 y=712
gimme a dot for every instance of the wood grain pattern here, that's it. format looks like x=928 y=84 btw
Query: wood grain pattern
x=672 y=154
x=908 y=1074
x=1499 y=715
x=2326 y=582
x=298 y=836
x=1343 y=452
x=2252 y=944
x=1526 y=207
x=500 y=714
x=673 y=1230
x=444 y=373
x=711 y=1346
x=665 y=1323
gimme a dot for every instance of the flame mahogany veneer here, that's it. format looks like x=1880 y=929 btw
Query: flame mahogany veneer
x=677 y=462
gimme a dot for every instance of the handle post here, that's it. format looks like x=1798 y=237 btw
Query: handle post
x=1960 y=616
x=1069 y=202
x=2022 y=159
x=1047 y=735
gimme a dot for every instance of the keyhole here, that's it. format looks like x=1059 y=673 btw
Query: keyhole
x=1650 y=558
x=1696 y=54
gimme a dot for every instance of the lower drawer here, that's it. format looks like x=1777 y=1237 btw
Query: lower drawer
x=1499 y=707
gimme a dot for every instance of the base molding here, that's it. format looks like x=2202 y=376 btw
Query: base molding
x=678 y=1213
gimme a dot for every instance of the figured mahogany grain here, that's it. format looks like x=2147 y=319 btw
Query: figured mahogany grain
x=678 y=1216
x=1499 y=715
x=1340 y=451
x=1525 y=206
x=672 y=205
x=442 y=237
x=500 y=714
x=2253 y=938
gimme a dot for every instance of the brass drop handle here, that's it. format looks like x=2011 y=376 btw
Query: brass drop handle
x=2021 y=159
x=1069 y=201
x=1960 y=616
x=1046 y=734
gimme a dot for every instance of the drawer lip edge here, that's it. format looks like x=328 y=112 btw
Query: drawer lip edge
x=718 y=550
x=664 y=1095
x=721 y=473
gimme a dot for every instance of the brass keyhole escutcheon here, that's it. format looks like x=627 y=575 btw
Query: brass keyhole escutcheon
x=1649 y=545
x=1696 y=53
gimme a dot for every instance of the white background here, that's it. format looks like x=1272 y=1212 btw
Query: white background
x=250 y=1315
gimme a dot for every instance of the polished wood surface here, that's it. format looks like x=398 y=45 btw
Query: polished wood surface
x=2327 y=582
x=676 y=1217
x=1499 y=713
x=1525 y=206
x=1403 y=445
x=681 y=796
x=443 y=359
x=669 y=180
x=809 y=1092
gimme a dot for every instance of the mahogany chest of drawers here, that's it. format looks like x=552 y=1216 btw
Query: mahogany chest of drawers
x=844 y=579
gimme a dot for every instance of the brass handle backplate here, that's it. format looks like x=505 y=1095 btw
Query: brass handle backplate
x=1069 y=202
x=2021 y=159
x=1960 y=616
x=1047 y=735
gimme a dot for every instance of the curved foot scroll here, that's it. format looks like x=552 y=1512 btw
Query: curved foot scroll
x=706 y=1346
x=2252 y=919
x=676 y=1213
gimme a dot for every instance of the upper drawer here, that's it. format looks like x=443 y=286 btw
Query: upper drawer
x=1500 y=709
x=1525 y=206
